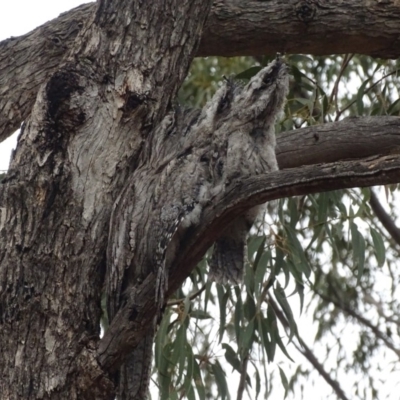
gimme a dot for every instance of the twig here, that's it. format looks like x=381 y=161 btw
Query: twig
x=307 y=353
x=333 y=96
x=243 y=376
x=191 y=297
x=363 y=320
x=366 y=91
x=385 y=219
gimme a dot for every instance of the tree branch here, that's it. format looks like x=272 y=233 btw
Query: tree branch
x=128 y=327
x=364 y=321
x=234 y=28
x=307 y=353
x=350 y=138
x=347 y=139
x=385 y=219
x=237 y=27
x=29 y=60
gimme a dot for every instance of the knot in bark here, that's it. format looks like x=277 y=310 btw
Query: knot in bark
x=306 y=11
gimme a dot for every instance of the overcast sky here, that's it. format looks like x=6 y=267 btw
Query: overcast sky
x=21 y=16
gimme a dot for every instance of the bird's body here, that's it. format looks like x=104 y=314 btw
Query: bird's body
x=250 y=150
x=232 y=138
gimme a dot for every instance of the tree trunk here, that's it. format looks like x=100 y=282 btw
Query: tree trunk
x=92 y=124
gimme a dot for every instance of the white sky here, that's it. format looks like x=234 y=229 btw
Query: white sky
x=21 y=16
x=18 y=17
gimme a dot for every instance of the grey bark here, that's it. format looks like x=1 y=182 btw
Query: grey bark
x=91 y=124
x=234 y=27
x=351 y=138
x=229 y=204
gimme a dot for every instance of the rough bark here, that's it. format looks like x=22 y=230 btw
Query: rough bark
x=234 y=27
x=89 y=162
x=351 y=138
x=90 y=123
x=21 y=77
x=240 y=196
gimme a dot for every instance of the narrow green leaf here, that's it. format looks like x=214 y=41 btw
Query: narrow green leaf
x=164 y=378
x=274 y=332
x=200 y=314
x=249 y=307
x=178 y=355
x=323 y=201
x=258 y=381
x=190 y=394
x=280 y=264
x=222 y=299
x=332 y=240
x=359 y=98
x=297 y=74
x=187 y=383
x=160 y=340
x=171 y=396
x=268 y=347
x=198 y=380
x=301 y=58
x=281 y=345
x=394 y=108
x=358 y=244
x=270 y=326
x=187 y=304
x=379 y=247
x=292 y=271
x=300 y=291
x=293 y=212
x=259 y=275
x=207 y=295
x=231 y=357
x=248 y=336
x=284 y=380
x=238 y=316
x=325 y=105
x=249 y=278
x=361 y=262
x=220 y=380
x=255 y=246
x=281 y=297
x=297 y=252
x=309 y=103
x=248 y=73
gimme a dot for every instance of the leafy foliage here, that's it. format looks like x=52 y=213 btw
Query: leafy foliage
x=321 y=282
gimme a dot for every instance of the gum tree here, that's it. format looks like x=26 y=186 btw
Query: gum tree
x=93 y=107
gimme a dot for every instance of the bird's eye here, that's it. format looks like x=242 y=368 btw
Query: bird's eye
x=267 y=79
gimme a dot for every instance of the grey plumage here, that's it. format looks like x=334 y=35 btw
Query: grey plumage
x=248 y=149
x=200 y=153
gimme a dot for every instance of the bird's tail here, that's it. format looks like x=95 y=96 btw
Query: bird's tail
x=228 y=259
